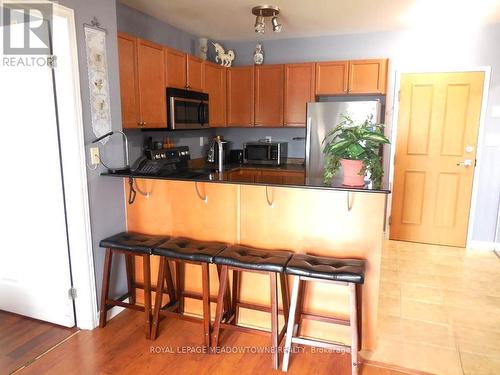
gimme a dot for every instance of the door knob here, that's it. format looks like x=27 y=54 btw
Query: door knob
x=466 y=163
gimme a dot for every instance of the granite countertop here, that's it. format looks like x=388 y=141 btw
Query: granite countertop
x=287 y=175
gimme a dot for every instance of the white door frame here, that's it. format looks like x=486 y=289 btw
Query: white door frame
x=480 y=137
x=76 y=190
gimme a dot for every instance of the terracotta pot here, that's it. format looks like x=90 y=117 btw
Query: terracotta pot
x=352 y=169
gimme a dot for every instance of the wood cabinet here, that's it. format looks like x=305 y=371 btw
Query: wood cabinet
x=183 y=71
x=175 y=68
x=127 y=58
x=215 y=85
x=243 y=175
x=299 y=90
x=240 y=96
x=269 y=86
x=150 y=72
x=194 y=69
x=141 y=83
x=367 y=76
x=332 y=77
x=351 y=77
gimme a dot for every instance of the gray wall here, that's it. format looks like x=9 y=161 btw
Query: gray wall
x=412 y=51
x=136 y=23
x=107 y=207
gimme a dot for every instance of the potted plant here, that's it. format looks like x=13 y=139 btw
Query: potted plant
x=356 y=148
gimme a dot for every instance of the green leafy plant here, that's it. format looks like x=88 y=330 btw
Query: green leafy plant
x=362 y=141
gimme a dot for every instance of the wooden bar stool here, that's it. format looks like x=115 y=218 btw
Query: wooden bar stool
x=270 y=262
x=131 y=245
x=348 y=272
x=181 y=251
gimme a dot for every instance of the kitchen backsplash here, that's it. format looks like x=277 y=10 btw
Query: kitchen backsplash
x=237 y=136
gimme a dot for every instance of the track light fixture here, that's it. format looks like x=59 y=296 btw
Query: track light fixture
x=277 y=27
x=263 y=11
x=259 y=24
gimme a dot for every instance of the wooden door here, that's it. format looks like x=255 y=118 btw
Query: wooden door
x=175 y=65
x=269 y=88
x=367 y=76
x=127 y=60
x=215 y=86
x=194 y=69
x=299 y=90
x=240 y=96
x=151 y=71
x=437 y=130
x=332 y=77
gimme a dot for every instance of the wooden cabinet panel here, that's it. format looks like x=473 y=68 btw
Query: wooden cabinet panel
x=215 y=86
x=299 y=90
x=194 y=68
x=367 y=76
x=332 y=77
x=127 y=58
x=301 y=220
x=240 y=96
x=269 y=87
x=175 y=65
x=151 y=77
x=243 y=175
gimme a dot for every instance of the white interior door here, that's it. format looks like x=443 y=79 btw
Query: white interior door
x=34 y=259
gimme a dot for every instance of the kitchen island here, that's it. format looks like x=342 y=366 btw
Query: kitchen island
x=281 y=211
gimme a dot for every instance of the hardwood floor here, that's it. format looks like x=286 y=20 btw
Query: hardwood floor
x=121 y=348
x=23 y=339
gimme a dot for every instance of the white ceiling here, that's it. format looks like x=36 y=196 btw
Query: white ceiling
x=233 y=20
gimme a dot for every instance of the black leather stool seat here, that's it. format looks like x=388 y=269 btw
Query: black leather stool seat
x=131 y=241
x=326 y=268
x=253 y=259
x=190 y=250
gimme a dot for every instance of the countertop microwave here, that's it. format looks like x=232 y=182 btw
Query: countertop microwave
x=186 y=109
x=270 y=153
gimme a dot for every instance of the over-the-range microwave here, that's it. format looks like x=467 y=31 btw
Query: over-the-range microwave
x=186 y=109
x=272 y=153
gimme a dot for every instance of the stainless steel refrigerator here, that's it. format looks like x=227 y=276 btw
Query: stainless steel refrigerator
x=321 y=118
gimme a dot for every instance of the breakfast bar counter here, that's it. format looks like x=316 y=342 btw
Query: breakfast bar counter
x=320 y=220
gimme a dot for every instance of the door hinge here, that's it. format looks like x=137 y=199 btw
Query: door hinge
x=390 y=219
x=72 y=293
x=399 y=95
x=52 y=61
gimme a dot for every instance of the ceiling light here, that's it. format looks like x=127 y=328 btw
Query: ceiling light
x=263 y=11
x=277 y=27
x=259 y=24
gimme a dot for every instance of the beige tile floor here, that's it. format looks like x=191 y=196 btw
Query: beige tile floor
x=439 y=309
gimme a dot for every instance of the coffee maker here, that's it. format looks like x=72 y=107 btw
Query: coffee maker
x=218 y=152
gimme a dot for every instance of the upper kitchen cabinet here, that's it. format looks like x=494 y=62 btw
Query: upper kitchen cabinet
x=175 y=68
x=367 y=76
x=299 y=90
x=351 y=77
x=141 y=83
x=332 y=77
x=151 y=78
x=240 y=96
x=269 y=85
x=215 y=86
x=127 y=54
x=194 y=68
x=183 y=71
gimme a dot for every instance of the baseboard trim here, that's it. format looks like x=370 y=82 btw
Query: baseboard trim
x=112 y=312
x=483 y=245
